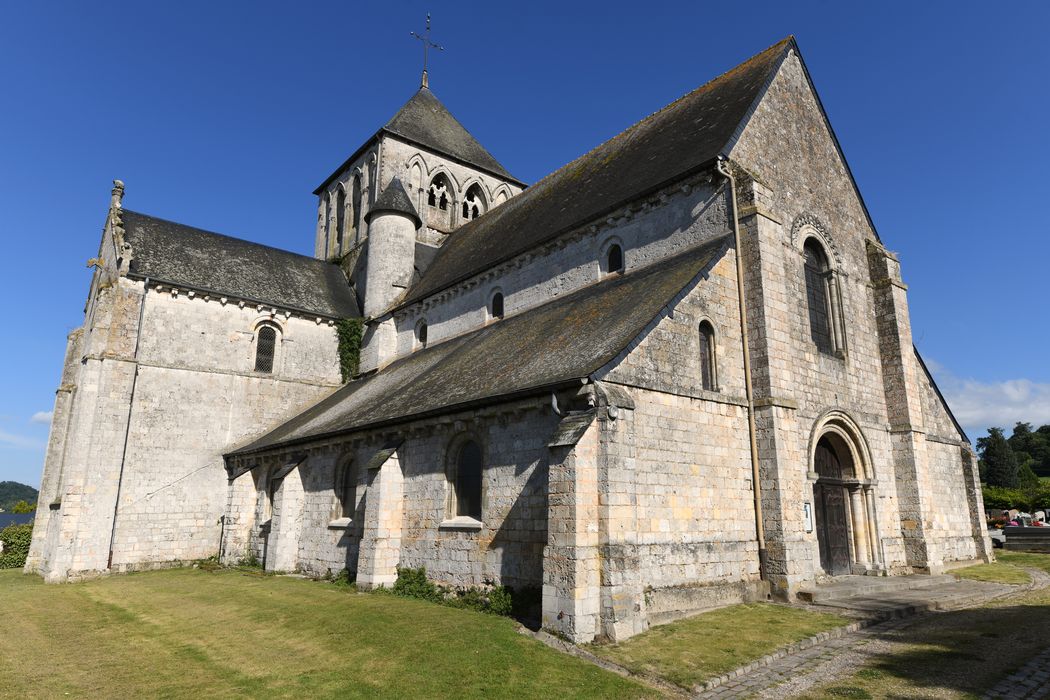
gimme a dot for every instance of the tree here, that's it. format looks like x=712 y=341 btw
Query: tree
x=1000 y=462
x=1021 y=442
x=1029 y=484
x=24 y=507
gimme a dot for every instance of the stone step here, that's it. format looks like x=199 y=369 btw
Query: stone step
x=903 y=603
x=853 y=586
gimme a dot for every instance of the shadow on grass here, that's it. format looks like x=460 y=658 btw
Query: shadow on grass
x=967 y=651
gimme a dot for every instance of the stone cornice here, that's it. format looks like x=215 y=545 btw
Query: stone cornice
x=223 y=299
x=618 y=217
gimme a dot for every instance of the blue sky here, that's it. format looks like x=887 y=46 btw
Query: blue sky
x=227 y=115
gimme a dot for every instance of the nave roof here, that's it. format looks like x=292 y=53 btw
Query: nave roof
x=559 y=343
x=682 y=138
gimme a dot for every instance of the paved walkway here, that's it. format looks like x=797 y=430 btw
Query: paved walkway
x=1032 y=682
x=797 y=673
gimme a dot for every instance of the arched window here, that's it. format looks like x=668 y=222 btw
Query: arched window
x=496 y=305
x=270 y=494
x=614 y=259
x=439 y=201
x=473 y=202
x=355 y=203
x=325 y=217
x=708 y=357
x=465 y=482
x=421 y=334
x=265 y=348
x=340 y=220
x=344 y=484
x=822 y=301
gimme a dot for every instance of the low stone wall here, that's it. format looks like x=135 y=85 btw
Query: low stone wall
x=668 y=604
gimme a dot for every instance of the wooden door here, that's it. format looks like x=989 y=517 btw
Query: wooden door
x=832 y=533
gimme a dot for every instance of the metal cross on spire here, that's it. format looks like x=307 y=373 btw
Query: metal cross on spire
x=427 y=45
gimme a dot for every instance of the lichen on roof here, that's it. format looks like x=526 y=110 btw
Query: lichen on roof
x=184 y=256
x=662 y=148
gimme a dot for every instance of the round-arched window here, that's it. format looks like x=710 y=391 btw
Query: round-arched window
x=265 y=348
x=421 y=334
x=614 y=259
x=496 y=305
x=466 y=482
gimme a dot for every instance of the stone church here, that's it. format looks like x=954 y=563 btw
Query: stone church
x=675 y=373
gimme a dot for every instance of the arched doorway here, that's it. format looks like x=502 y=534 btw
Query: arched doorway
x=843 y=497
x=834 y=468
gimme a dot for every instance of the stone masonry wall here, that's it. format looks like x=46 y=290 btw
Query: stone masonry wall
x=686 y=447
x=806 y=191
x=646 y=234
x=136 y=478
x=507 y=548
x=196 y=395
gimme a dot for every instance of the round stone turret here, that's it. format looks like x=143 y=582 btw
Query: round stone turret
x=392 y=225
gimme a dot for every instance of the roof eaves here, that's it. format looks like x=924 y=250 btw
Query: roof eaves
x=348 y=162
x=408 y=418
x=240 y=297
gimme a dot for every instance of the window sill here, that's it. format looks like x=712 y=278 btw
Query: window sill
x=340 y=524
x=462 y=522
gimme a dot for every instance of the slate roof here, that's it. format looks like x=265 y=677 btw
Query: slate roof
x=682 y=138
x=183 y=256
x=555 y=344
x=394 y=198
x=424 y=120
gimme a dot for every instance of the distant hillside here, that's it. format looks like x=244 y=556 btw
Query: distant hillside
x=11 y=492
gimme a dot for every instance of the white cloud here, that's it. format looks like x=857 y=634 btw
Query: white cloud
x=43 y=417
x=19 y=442
x=980 y=405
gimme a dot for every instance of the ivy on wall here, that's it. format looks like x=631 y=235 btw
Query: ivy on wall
x=349 y=331
x=15 y=541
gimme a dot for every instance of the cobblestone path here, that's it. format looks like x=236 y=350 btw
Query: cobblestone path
x=797 y=673
x=1031 y=682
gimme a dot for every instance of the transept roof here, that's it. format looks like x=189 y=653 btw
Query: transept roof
x=184 y=256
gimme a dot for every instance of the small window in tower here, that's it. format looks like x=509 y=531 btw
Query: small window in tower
x=340 y=220
x=265 y=347
x=614 y=259
x=439 y=203
x=496 y=307
x=473 y=202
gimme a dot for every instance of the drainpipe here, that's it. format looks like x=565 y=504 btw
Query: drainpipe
x=760 y=530
x=127 y=427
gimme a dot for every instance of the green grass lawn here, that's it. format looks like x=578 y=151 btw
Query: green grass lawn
x=1032 y=559
x=690 y=651
x=996 y=572
x=190 y=633
x=957 y=654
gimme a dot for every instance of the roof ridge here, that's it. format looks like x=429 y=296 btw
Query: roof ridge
x=650 y=116
x=224 y=235
x=588 y=166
